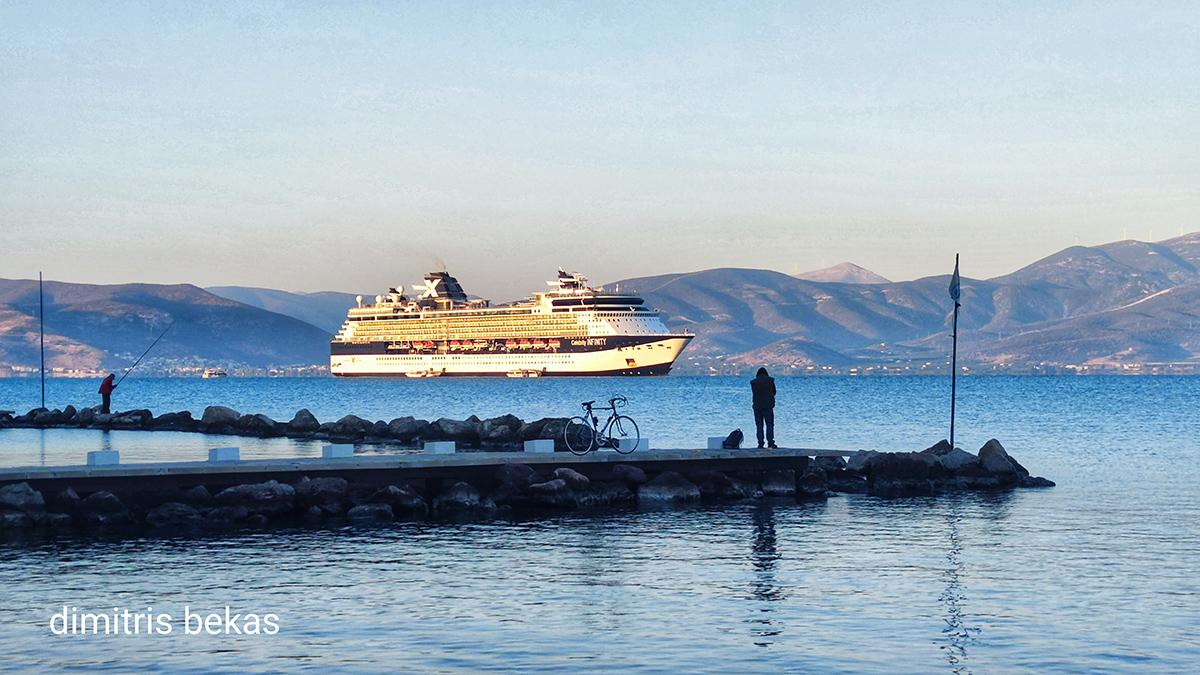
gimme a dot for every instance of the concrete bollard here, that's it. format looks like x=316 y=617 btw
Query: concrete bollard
x=540 y=445
x=716 y=442
x=340 y=451
x=440 y=448
x=224 y=455
x=627 y=444
x=103 y=457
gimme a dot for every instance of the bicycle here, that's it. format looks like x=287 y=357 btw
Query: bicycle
x=583 y=433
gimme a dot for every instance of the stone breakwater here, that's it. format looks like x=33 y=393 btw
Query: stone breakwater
x=505 y=433
x=512 y=486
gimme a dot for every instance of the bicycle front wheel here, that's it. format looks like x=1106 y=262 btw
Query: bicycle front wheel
x=579 y=435
x=625 y=435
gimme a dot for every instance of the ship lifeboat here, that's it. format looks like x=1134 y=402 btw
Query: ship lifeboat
x=455 y=344
x=480 y=344
x=525 y=344
x=523 y=373
x=555 y=344
x=510 y=343
x=539 y=344
x=425 y=373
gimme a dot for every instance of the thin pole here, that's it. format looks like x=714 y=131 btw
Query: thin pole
x=954 y=293
x=42 y=335
x=953 y=374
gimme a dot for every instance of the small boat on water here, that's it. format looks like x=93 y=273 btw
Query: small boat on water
x=210 y=373
x=423 y=373
x=524 y=373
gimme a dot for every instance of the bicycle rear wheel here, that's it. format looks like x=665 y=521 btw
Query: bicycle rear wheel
x=624 y=434
x=579 y=435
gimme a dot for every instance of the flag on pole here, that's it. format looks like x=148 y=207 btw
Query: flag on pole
x=955 y=287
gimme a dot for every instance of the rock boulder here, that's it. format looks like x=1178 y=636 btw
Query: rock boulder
x=715 y=485
x=21 y=497
x=328 y=493
x=372 y=512
x=668 y=487
x=176 y=421
x=258 y=425
x=957 y=461
x=104 y=508
x=303 y=423
x=519 y=475
x=269 y=497
x=350 y=427
x=813 y=484
x=779 y=483
x=408 y=429
x=998 y=462
x=629 y=474
x=404 y=501
x=463 y=433
x=555 y=494
x=174 y=514
x=219 y=418
x=458 y=497
x=574 y=480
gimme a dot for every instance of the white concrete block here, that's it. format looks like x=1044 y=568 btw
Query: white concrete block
x=540 y=445
x=440 y=448
x=716 y=442
x=103 y=457
x=339 y=451
x=627 y=444
x=224 y=455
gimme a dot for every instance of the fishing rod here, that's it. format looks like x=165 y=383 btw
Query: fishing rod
x=135 y=363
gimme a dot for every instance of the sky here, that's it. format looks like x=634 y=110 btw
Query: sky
x=353 y=146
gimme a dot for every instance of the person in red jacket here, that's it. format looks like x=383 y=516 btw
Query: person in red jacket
x=106 y=390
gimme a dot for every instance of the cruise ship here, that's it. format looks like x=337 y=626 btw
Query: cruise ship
x=569 y=330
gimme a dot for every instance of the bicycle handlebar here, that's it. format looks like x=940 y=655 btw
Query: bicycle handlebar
x=613 y=402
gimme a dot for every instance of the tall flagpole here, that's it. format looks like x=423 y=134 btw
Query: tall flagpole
x=955 y=293
x=42 y=336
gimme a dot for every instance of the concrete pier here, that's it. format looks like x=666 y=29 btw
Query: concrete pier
x=429 y=471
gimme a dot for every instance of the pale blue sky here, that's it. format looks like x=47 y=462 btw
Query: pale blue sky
x=349 y=146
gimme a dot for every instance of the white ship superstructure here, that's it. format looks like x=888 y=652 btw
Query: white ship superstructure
x=569 y=330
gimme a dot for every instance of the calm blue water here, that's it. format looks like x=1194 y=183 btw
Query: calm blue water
x=1097 y=575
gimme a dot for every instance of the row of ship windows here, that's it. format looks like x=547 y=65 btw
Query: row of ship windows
x=521 y=314
x=532 y=357
x=393 y=336
x=442 y=327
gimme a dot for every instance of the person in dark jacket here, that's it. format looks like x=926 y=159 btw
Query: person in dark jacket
x=106 y=390
x=763 y=388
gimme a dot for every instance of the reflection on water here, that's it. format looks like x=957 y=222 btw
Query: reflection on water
x=956 y=634
x=1096 y=575
x=69 y=447
x=764 y=558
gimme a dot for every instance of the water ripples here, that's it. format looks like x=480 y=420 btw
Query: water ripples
x=1097 y=575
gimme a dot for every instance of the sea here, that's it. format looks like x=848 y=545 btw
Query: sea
x=1100 y=574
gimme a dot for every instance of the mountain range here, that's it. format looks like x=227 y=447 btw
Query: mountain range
x=1122 y=306
x=93 y=328
x=1106 y=307
x=325 y=309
